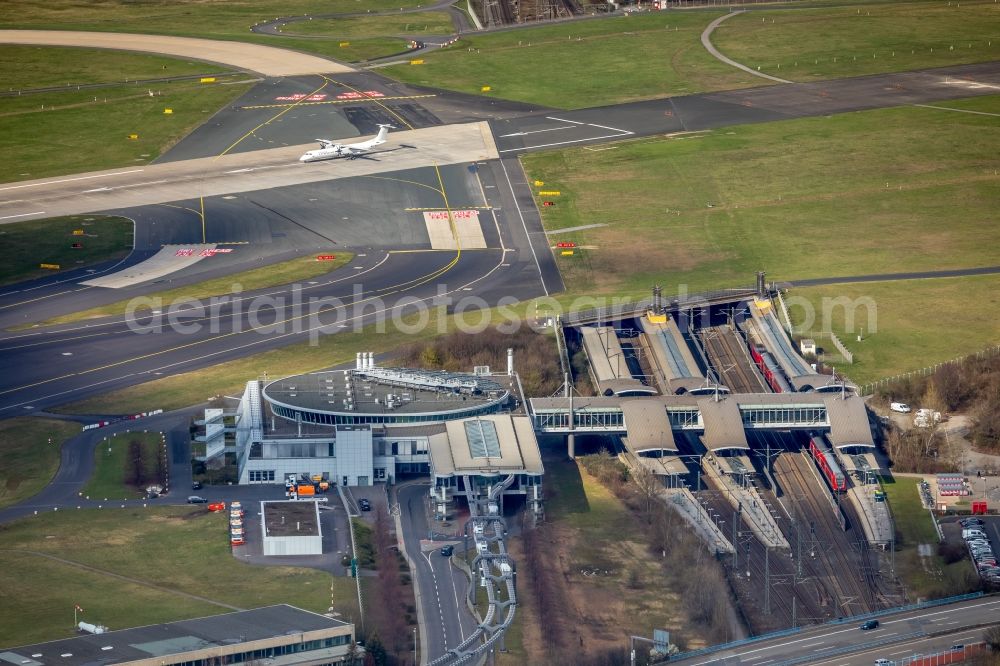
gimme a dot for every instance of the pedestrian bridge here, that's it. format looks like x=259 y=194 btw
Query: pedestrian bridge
x=723 y=420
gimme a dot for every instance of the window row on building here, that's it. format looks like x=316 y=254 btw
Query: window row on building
x=792 y=414
x=261 y=475
x=393 y=418
x=252 y=656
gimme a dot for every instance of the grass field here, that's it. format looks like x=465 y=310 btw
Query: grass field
x=860 y=39
x=585 y=63
x=286 y=272
x=25 y=245
x=361 y=27
x=607 y=536
x=80 y=130
x=32 y=67
x=182 y=550
x=211 y=18
x=29 y=448
x=923 y=577
x=914 y=524
x=919 y=322
x=366 y=37
x=887 y=190
x=108 y=480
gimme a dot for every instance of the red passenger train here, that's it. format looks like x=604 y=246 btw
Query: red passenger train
x=769 y=368
x=827 y=463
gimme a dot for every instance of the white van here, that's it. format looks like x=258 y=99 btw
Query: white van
x=973 y=534
x=900 y=407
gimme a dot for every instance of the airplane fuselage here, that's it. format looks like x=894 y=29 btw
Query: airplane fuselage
x=322 y=154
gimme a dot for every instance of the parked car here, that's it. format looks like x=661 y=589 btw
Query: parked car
x=900 y=407
x=883 y=662
x=869 y=625
x=971 y=522
x=447 y=550
x=194 y=499
x=196 y=485
x=364 y=504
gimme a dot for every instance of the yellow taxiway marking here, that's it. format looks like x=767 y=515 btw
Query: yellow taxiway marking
x=386 y=291
x=376 y=100
x=272 y=118
x=366 y=98
x=201 y=214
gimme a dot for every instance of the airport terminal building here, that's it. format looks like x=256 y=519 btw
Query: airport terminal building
x=369 y=424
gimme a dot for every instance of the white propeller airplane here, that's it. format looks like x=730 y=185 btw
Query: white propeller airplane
x=329 y=150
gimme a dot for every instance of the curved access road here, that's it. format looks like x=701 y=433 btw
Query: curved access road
x=264 y=60
x=706 y=41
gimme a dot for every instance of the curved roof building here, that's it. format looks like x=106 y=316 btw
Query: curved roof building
x=384 y=396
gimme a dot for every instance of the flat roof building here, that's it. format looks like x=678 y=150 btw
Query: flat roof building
x=279 y=634
x=291 y=528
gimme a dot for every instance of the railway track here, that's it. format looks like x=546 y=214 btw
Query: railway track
x=771 y=593
x=731 y=364
x=844 y=568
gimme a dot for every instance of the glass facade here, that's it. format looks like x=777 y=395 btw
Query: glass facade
x=603 y=419
x=334 y=418
x=685 y=418
x=767 y=415
x=266 y=653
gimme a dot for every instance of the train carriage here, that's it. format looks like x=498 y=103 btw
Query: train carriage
x=827 y=463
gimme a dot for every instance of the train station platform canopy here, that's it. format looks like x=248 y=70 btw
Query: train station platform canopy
x=735 y=465
x=624 y=386
x=814 y=382
x=848 y=420
x=665 y=465
x=724 y=427
x=647 y=426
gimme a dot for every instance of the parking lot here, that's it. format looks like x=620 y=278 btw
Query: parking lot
x=981 y=537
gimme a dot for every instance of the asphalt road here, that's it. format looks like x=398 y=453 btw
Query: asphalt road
x=898 y=635
x=444 y=616
x=48 y=366
x=553 y=129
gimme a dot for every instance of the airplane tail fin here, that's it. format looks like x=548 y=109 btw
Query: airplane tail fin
x=383 y=131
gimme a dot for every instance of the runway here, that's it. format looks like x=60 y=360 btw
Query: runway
x=235 y=173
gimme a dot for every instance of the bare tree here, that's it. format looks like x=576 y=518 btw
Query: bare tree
x=992 y=638
x=647 y=486
x=135 y=465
